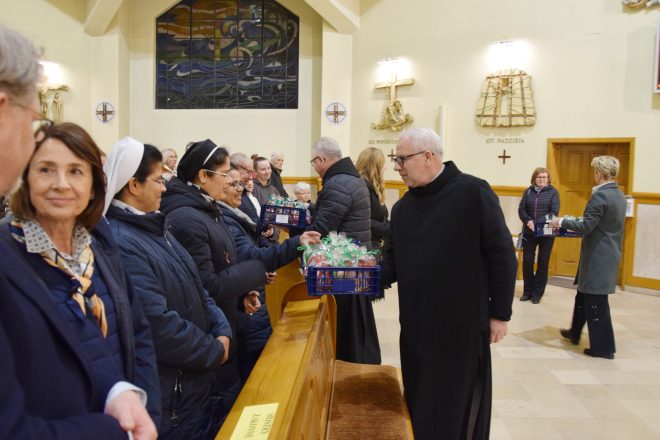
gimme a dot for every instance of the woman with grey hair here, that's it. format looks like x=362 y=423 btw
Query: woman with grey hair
x=602 y=236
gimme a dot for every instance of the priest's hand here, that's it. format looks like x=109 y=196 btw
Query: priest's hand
x=498 y=330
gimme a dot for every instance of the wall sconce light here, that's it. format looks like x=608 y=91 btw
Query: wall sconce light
x=507 y=55
x=50 y=98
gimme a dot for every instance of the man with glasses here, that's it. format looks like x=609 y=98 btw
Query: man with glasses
x=452 y=256
x=343 y=206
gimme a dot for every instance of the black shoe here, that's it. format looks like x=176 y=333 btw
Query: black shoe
x=588 y=352
x=536 y=300
x=525 y=298
x=567 y=334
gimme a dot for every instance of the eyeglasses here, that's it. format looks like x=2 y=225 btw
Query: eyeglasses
x=541 y=177
x=160 y=181
x=237 y=185
x=217 y=172
x=400 y=160
x=247 y=170
x=313 y=160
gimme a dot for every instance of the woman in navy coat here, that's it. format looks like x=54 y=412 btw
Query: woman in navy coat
x=191 y=334
x=76 y=349
x=253 y=330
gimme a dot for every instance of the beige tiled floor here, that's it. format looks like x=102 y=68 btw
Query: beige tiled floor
x=546 y=388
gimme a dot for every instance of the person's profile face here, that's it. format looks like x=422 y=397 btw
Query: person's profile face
x=278 y=162
x=16 y=137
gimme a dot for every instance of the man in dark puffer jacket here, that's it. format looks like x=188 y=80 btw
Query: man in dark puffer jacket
x=343 y=206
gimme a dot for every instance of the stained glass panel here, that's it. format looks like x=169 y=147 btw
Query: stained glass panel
x=227 y=54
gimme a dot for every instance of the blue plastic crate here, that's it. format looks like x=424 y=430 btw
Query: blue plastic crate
x=343 y=280
x=543 y=229
x=283 y=216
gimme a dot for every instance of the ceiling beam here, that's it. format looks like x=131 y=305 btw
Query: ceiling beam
x=337 y=14
x=99 y=15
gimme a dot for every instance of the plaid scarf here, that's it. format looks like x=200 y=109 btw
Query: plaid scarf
x=80 y=266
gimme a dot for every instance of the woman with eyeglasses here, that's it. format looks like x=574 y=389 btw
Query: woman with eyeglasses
x=538 y=201
x=254 y=329
x=195 y=220
x=72 y=310
x=191 y=334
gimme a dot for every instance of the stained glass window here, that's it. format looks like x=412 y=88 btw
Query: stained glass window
x=227 y=54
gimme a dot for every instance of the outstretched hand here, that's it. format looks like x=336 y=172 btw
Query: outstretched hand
x=310 y=237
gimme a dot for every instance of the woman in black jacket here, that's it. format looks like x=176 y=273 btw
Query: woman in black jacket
x=371 y=166
x=539 y=200
x=194 y=218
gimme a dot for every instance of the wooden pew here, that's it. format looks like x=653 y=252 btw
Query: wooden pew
x=318 y=397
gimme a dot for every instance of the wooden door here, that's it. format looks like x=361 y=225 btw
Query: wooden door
x=574 y=180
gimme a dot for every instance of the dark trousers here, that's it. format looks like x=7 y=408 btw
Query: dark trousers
x=535 y=282
x=595 y=311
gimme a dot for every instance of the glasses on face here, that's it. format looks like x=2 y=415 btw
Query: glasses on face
x=217 y=172
x=314 y=160
x=541 y=177
x=400 y=160
x=160 y=181
x=237 y=185
x=247 y=170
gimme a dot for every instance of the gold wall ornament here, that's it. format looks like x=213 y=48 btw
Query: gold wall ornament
x=392 y=116
x=52 y=108
x=506 y=100
x=638 y=4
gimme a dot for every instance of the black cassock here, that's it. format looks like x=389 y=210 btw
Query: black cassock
x=452 y=255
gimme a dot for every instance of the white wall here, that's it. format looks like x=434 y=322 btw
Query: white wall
x=249 y=131
x=591 y=67
x=57 y=27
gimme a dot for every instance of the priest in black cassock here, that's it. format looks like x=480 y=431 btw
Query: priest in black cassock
x=452 y=255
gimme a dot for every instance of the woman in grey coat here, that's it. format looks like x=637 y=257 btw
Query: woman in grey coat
x=602 y=236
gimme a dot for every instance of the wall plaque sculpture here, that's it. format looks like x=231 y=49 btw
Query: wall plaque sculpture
x=392 y=116
x=506 y=100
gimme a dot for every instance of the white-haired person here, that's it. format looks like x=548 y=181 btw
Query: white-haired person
x=169 y=163
x=451 y=253
x=601 y=228
x=276 y=164
x=342 y=205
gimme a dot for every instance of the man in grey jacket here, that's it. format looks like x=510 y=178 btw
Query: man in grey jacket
x=602 y=236
x=343 y=206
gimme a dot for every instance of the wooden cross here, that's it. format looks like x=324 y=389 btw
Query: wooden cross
x=504 y=157
x=392 y=156
x=335 y=113
x=105 y=112
x=392 y=85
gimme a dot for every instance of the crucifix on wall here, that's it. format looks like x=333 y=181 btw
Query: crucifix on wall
x=392 y=116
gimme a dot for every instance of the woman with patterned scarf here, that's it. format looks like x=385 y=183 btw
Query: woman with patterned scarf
x=65 y=267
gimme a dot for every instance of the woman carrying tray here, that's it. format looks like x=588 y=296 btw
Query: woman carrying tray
x=539 y=200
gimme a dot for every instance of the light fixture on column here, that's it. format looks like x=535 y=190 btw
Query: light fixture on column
x=50 y=97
